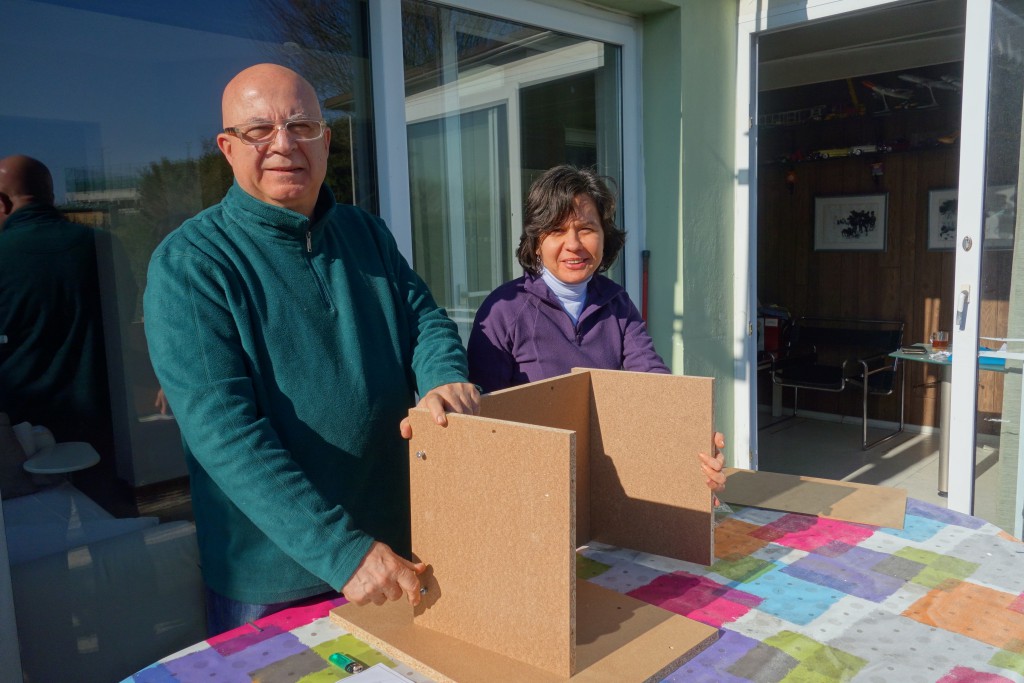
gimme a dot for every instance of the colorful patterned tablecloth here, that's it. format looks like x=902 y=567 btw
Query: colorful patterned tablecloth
x=796 y=598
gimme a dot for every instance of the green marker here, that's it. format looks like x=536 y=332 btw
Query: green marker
x=349 y=664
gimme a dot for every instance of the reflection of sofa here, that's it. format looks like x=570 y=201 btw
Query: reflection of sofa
x=97 y=598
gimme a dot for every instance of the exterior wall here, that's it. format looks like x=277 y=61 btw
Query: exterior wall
x=689 y=73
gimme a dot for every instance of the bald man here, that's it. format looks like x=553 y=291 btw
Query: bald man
x=53 y=368
x=290 y=337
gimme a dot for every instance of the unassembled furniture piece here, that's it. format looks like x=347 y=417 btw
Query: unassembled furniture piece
x=830 y=354
x=847 y=501
x=500 y=503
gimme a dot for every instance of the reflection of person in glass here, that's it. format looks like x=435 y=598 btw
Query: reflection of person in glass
x=290 y=335
x=563 y=313
x=53 y=369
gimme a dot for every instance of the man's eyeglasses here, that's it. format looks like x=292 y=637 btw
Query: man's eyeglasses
x=301 y=130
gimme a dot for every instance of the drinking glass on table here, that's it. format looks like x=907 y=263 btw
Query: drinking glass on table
x=940 y=341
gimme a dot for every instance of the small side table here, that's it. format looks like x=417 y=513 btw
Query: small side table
x=62 y=458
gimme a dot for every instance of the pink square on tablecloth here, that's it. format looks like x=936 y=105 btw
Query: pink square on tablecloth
x=293 y=617
x=961 y=674
x=245 y=635
x=810 y=533
x=696 y=597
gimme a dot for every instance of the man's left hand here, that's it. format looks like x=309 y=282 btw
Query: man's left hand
x=458 y=397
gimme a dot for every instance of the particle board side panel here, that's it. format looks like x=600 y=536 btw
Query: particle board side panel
x=442 y=658
x=620 y=639
x=493 y=512
x=647 y=490
x=561 y=402
x=843 y=500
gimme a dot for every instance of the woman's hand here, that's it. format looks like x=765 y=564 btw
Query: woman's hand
x=712 y=466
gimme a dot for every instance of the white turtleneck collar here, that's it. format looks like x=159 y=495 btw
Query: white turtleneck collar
x=572 y=297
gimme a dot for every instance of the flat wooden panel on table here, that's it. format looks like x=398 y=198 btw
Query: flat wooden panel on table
x=620 y=639
x=842 y=500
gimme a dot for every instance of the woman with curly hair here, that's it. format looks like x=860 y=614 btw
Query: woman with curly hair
x=562 y=313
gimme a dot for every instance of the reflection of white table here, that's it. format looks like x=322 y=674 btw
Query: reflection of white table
x=766 y=361
x=945 y=375
x=62 y=458
x=945 y=364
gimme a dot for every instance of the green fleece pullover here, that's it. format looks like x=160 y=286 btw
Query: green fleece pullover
x=289 y=351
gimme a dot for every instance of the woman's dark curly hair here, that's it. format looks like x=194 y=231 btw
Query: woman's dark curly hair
x=550 y=203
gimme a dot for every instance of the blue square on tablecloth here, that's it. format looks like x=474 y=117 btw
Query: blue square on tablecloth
x=916 y=528
x=792 y=598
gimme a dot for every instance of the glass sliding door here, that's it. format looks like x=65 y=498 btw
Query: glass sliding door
x=121 y=101
x=998 y=470
x=470 y=197
x=490 y=105
x=985 y=453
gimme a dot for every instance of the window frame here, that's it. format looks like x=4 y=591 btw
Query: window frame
x=387 y=72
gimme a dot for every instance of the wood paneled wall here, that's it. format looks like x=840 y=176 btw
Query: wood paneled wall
x=905 y=282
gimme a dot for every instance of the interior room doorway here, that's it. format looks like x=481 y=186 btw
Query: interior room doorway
x=867 y=106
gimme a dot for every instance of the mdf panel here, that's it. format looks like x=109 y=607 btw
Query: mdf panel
x=647 y=490
x=562 y=403
x=620 y=639
x=848 y=501
x=493 y=504
x=493 y=510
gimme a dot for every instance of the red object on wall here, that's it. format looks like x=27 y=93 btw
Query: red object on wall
x=645 y=255
x=772 y=334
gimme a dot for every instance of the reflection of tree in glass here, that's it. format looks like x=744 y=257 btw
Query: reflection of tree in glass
x=319 y=39
x=858 y=224
x=324 y=41
x=947 y=214
x=476 y=39
x=170 y=192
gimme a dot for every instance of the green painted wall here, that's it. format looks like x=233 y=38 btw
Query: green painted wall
x=689 y=75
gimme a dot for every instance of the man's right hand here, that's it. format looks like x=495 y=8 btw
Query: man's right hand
x=383 y=576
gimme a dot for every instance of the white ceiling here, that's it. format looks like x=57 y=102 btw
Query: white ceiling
x=891 y=38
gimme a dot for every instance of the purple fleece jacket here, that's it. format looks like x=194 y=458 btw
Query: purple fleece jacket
x=522 y=334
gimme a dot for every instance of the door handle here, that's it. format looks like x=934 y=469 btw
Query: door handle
x=962 y=299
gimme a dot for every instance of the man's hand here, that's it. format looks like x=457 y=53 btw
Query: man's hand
x=713 y=466
x=459 y=397
x=161 y=402
x=383 y=576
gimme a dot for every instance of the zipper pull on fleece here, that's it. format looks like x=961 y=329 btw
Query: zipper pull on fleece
x=309 y=241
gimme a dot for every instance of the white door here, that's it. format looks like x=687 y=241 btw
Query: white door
x=985 y=474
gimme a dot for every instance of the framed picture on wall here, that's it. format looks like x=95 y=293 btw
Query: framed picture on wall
x=850 y=223
x=1000 y=217
x=942 y=205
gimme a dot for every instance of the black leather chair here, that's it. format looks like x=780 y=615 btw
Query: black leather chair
x=830 y=354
